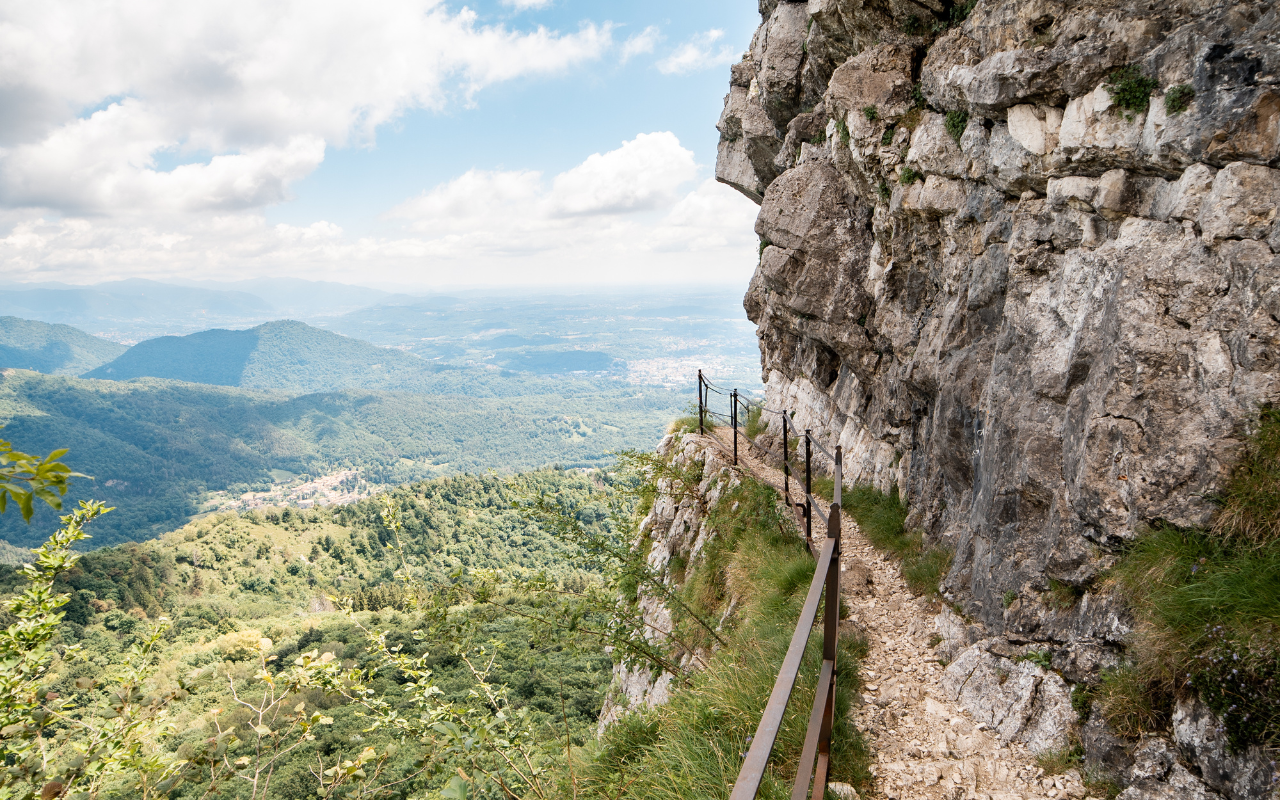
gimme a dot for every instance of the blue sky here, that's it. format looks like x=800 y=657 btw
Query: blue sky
x=544 y=123
x=397 y=143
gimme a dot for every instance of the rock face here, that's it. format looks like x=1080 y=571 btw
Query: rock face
x=1044 y=317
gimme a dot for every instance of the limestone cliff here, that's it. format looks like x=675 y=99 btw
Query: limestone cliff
x=1046 y=318
x=1019 y=259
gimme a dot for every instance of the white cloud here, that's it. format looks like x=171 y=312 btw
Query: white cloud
x=524 y=5
x=641 y=43
x=635 y=214
x=99 y=101
x=698 y=53
x=641 y=175
x=259 y=89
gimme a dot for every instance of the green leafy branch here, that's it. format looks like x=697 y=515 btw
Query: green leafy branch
x=26 y=478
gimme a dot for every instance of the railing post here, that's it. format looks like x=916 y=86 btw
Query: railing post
x=701 y=404
x=786 y=461
x=808 y=487
x=830 y=633
x=734 y=408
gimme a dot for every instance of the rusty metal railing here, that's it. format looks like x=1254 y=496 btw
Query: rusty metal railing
x=815 y=756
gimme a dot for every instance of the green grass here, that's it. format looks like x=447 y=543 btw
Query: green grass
x=824 y=486
x=880 y=516
x=924 y=571
x=1060 y=759
x=1208 y=608
x=756 y=424
x=1062 y=596
x=885 y=195
x=886 y=138
x=1210 y=618
x=688 y=423
x=882 y=519
x=1100 y=785
x=871 y=113
x=909 y=176
x=1131 y=703
x=693 y=746
x=1251 y=499
x=842 y=129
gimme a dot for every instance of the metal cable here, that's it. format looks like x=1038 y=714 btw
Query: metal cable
x=786 y=418
x=817 y=508
x=823 y=449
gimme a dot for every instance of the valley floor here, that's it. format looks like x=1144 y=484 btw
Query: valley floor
x=926 y=747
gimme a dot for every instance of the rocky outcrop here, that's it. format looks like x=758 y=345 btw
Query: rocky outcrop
x=1236 y=775
x=1019 y=700
x=676 y=527
x=1043 y=315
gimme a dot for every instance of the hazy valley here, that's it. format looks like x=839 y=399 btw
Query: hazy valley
x=178 y=425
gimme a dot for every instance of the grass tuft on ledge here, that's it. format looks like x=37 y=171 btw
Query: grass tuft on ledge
x=1208 y=610
x=882 y=518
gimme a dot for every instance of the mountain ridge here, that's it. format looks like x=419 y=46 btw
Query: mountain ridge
x=52 y=348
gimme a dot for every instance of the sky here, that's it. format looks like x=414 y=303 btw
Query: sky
x=403 y=144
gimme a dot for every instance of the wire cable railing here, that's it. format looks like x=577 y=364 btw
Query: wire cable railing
x=815 y=756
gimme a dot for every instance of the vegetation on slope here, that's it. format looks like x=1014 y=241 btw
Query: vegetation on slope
x=52 y=349
x=881 y=518
x=1208 y=605
x=471 y=663
x=248 y=596
x=693 y=746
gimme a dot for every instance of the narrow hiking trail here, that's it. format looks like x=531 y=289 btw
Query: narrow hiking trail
x=924 y=746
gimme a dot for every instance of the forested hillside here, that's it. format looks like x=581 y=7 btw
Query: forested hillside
x=295 y=357
x=154 y=447
x=53 y=349
x=240 y=588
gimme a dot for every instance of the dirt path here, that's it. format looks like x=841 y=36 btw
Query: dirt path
x=923 y=744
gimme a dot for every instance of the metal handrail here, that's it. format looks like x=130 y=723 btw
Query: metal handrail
x=752 y=771
x=818 y=445
x=815 y=755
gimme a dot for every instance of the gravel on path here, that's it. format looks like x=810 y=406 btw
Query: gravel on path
x=924 y=746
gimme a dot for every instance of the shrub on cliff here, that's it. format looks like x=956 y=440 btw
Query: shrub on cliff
x=1130 y=89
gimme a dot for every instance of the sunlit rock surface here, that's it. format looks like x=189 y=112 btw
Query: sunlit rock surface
x=1045 y=318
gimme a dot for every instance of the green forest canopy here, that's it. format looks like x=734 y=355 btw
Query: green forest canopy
x=154 y=447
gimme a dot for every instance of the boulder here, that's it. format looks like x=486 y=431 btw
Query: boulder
x=1020 y=701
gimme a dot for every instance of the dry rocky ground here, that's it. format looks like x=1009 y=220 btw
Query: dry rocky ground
x=924 y=743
